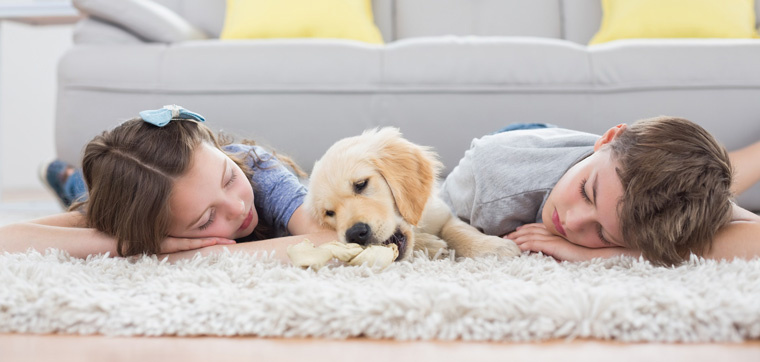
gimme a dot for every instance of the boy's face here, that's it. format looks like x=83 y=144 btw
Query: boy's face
x=582 y=206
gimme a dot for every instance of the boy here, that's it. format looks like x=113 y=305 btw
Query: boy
x=660 y=188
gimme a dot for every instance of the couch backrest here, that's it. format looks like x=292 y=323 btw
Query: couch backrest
x=414 y=18
x=581 y=19
x=574 y=20
x=208 y=15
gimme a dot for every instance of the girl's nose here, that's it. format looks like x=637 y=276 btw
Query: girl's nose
x=236 y=207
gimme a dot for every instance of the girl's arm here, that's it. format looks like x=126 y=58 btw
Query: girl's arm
x=278 y=245
x=302 y=223
x=68 y=231
x=64 y=231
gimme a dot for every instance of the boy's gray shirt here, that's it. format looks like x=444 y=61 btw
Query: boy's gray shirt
x=504 y=179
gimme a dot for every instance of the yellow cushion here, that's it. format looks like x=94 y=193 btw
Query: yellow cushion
x=624 y=19
x=345 y=19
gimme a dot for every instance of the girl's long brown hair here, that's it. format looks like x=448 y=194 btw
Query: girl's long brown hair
x=130 y=172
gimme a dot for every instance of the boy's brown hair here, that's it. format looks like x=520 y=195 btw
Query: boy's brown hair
x=677 y=188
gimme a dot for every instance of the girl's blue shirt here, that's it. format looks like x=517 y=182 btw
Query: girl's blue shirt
x=277 y=191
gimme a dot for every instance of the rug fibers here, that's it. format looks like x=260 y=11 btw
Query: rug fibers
x=530 y=298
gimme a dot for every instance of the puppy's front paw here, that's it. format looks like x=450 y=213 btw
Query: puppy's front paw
x=493 y=245
x=429 y=242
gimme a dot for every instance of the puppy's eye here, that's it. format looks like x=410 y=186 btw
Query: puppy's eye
x=329 y=213
x=360 y=186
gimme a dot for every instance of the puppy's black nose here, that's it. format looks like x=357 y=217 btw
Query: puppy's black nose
x=359 y=233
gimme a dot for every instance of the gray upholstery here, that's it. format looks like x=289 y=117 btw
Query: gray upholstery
x=415 y=18
x=450 y=70
x=98 y=31
x=148 y=19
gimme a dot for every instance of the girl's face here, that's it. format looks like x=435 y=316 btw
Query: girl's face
x=213 y=199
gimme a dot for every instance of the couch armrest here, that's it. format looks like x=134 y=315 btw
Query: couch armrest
x=149 y=20
x=92 y=30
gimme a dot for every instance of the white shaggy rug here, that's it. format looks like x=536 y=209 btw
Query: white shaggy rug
x=530 y=298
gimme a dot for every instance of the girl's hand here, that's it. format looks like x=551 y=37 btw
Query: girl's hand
x=173 y=245
x=535 y=238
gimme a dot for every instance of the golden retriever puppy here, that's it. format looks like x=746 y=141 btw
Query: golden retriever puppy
x=379 y=188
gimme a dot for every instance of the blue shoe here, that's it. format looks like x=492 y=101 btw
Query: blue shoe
x=521 y=126
x=53 y=175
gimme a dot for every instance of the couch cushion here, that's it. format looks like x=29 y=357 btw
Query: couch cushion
x=416 y=18
x=83 y=65
x=226 y=66
x=208 y=15
x=438 y=63
x=383 y=12
x=676 y=63
x=449 y=62
x=624 y=19
x=341 y=19
x=581 y=19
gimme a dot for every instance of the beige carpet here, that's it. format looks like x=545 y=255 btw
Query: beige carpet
x=531 y=298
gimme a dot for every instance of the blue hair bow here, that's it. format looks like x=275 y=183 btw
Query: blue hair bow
x=161 y=117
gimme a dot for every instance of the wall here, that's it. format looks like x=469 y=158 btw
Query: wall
x=28 y=58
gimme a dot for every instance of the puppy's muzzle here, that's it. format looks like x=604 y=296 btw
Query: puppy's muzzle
x=359 y=233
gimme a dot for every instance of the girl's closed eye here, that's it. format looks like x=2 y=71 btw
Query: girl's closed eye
x=210 y=220
x=232 y=178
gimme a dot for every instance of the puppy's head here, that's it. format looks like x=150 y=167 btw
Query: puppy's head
x=372 y=188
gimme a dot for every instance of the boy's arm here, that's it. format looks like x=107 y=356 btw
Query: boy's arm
x=535 y=238
x=738 y=239
x=747 y=169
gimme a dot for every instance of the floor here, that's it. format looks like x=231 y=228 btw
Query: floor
x=18 y=205
x=16 y=347
x=24 y=204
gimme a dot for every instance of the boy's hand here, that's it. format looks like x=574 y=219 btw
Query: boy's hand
x=173 y=245
x=535 y=238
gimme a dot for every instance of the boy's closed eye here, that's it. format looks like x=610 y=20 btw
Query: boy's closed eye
x=585 y=195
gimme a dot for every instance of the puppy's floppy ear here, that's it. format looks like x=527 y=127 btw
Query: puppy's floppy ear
x=409 y=169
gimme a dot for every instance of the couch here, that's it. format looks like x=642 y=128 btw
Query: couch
x=449 y=71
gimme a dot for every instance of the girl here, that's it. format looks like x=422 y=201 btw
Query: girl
x=166 y=184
